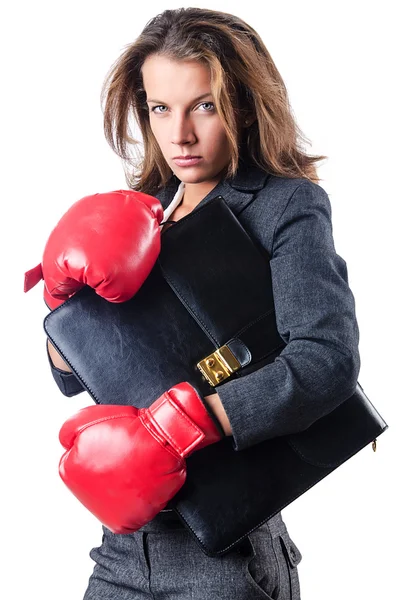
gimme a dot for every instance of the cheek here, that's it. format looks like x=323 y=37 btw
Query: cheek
x=218 y=138
x=217 y=133
x=157 y=131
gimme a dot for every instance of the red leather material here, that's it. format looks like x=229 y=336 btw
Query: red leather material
x=125 y=464
x=32 y=277
x=181 y=413
x=109 y=242
x=153 y=204
x=50 y=301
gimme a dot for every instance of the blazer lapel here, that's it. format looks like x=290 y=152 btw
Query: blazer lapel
x=237 y=191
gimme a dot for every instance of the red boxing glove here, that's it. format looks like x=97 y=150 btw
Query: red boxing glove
x=107 y=241
x=125 y=464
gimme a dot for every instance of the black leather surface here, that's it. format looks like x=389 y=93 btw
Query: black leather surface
x=129 y=353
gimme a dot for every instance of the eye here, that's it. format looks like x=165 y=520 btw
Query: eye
x=210 y=106
x=153 y=109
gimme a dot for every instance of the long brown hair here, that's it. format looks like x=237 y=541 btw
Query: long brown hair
x=249 y=95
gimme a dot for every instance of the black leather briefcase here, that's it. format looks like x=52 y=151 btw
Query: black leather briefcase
x=184 y=325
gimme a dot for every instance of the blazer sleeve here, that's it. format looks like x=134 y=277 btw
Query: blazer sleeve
x=315 y=316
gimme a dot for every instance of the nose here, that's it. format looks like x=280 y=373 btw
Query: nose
x=182 y=131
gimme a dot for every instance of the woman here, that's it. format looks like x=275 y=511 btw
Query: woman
x=215 y=120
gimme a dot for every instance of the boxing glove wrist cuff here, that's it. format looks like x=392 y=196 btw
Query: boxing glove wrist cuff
x=174 y=425
x=183 y=420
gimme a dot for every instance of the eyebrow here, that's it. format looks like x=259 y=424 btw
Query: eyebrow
x=195 y=100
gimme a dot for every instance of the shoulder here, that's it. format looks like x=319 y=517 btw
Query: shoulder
x=279 y=192
x=283 y=199
x=271 y=194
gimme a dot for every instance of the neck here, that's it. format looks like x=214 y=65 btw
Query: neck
x=195 y=192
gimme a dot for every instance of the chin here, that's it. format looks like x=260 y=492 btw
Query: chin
x=186 y=177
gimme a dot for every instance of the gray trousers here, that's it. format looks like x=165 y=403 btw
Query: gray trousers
x=162 y=561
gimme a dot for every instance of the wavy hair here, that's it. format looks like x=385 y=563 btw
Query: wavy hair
x=249 y=95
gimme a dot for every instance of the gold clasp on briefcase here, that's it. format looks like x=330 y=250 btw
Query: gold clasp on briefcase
x=219 y=365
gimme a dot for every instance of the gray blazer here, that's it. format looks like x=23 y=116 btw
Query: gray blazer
x=315 y=308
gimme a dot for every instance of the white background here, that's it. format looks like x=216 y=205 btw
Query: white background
x=338 y=62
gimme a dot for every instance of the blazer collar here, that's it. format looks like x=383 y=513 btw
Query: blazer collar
x=237 y=191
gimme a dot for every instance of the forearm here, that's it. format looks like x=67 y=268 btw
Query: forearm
x=57 y=359
x=216 y=406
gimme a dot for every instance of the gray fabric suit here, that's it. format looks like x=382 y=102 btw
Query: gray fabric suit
x=316 y=371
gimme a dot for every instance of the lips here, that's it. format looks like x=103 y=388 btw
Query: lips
x=186 y=161
x=184 y=156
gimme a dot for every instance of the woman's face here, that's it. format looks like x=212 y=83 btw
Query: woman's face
x=183 y=118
